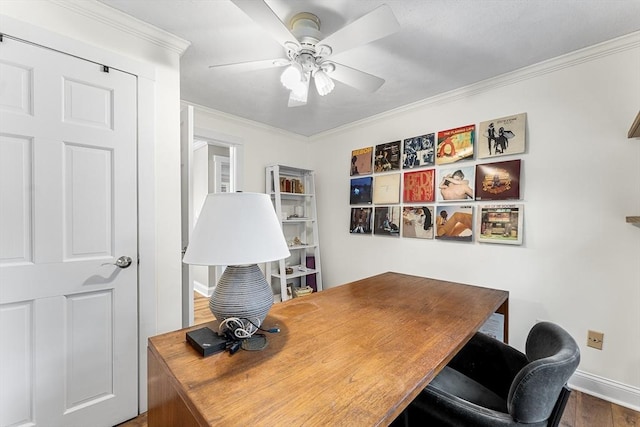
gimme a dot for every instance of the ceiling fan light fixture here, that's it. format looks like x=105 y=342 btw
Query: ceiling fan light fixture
x=324 y=84
x=291 y=77
x=300 y=94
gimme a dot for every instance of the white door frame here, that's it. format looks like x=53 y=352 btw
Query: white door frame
x=147 y=323
x=236 y=166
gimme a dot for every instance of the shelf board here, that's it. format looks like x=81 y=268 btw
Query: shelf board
x=292 y=195
x=635 y=220
x=294 y=220
x=301 y=247
x=297 y=273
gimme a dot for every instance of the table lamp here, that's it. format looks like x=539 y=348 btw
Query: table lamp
x=238 y=230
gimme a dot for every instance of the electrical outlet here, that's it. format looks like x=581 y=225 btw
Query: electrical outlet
x=595 y=339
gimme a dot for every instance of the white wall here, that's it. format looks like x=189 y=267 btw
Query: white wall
x=579 y=265
x=263 y=145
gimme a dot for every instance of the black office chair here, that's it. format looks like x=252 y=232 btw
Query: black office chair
x=489 y=383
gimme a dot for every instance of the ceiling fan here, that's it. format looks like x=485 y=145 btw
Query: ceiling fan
x=308 y=53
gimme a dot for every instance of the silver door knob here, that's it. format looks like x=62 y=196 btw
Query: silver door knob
x=123 y=262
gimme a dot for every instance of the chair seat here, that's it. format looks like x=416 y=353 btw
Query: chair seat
x=457 y=384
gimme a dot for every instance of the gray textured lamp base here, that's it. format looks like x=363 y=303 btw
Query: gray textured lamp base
x=242 y=292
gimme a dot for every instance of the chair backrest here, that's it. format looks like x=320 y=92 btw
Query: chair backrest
x=553 y=357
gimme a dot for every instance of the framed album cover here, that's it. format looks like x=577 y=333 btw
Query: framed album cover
x=454 y=222
x=501 y=224
x=362 y=161
x=387 y=221
x=360 y=221
x=386 y=189
x=498 y=180
x=503 y=136
x=455 y=183
x=387 y=157
x=361 y=191
x=455 y=145
x=418 y=186
x=419 y=151
x=417 y=222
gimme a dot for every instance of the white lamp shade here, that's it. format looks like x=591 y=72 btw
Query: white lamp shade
x=236 y=229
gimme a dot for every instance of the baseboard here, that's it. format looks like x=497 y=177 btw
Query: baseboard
x=609 y=390
x=202 y=289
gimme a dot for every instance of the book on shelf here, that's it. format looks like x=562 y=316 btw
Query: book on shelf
x=291 y=185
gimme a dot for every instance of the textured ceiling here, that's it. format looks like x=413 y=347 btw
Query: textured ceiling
x=442 y=45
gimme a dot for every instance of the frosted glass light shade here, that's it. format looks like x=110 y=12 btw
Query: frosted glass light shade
x=291 y=77
x=301 y=93
x=324 y=84
x=236 y=229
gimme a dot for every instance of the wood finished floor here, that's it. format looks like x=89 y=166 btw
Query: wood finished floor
x=583 y=410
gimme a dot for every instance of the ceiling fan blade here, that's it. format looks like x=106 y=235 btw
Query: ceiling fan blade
x=262 y=14
x=376 y=24
x=355 y=78
x=239 y=67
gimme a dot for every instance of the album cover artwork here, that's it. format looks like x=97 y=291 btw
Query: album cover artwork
x=362 y=161
x=503 y=136
x=387 y=221
x=417 y=222
x=361 y=191
x=455 y=183
x=454 y=223
x=419 y=186
x=386 y=189
x=455 y=145
x=419 y=151
x=498 y=181
x=360 y=221
x=501 y=224
x=387 y=157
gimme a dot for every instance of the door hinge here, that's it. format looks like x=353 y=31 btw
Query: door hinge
x=1 y=38
x=105 y=69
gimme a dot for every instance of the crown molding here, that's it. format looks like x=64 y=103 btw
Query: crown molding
x=116 y=19
x=244 y=121
x=587 y=54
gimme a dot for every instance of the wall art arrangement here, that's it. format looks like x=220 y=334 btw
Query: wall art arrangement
x=429 y=186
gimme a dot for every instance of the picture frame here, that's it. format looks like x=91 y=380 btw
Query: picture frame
x=501 y=224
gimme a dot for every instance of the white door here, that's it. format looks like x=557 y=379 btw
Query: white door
x=68 y=315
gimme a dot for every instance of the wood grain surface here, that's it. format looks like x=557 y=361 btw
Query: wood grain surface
x=356 y=354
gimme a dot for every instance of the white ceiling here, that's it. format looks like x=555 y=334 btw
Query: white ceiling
x=442 y=45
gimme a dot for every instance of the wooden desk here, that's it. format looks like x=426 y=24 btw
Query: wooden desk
x=354 y=355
